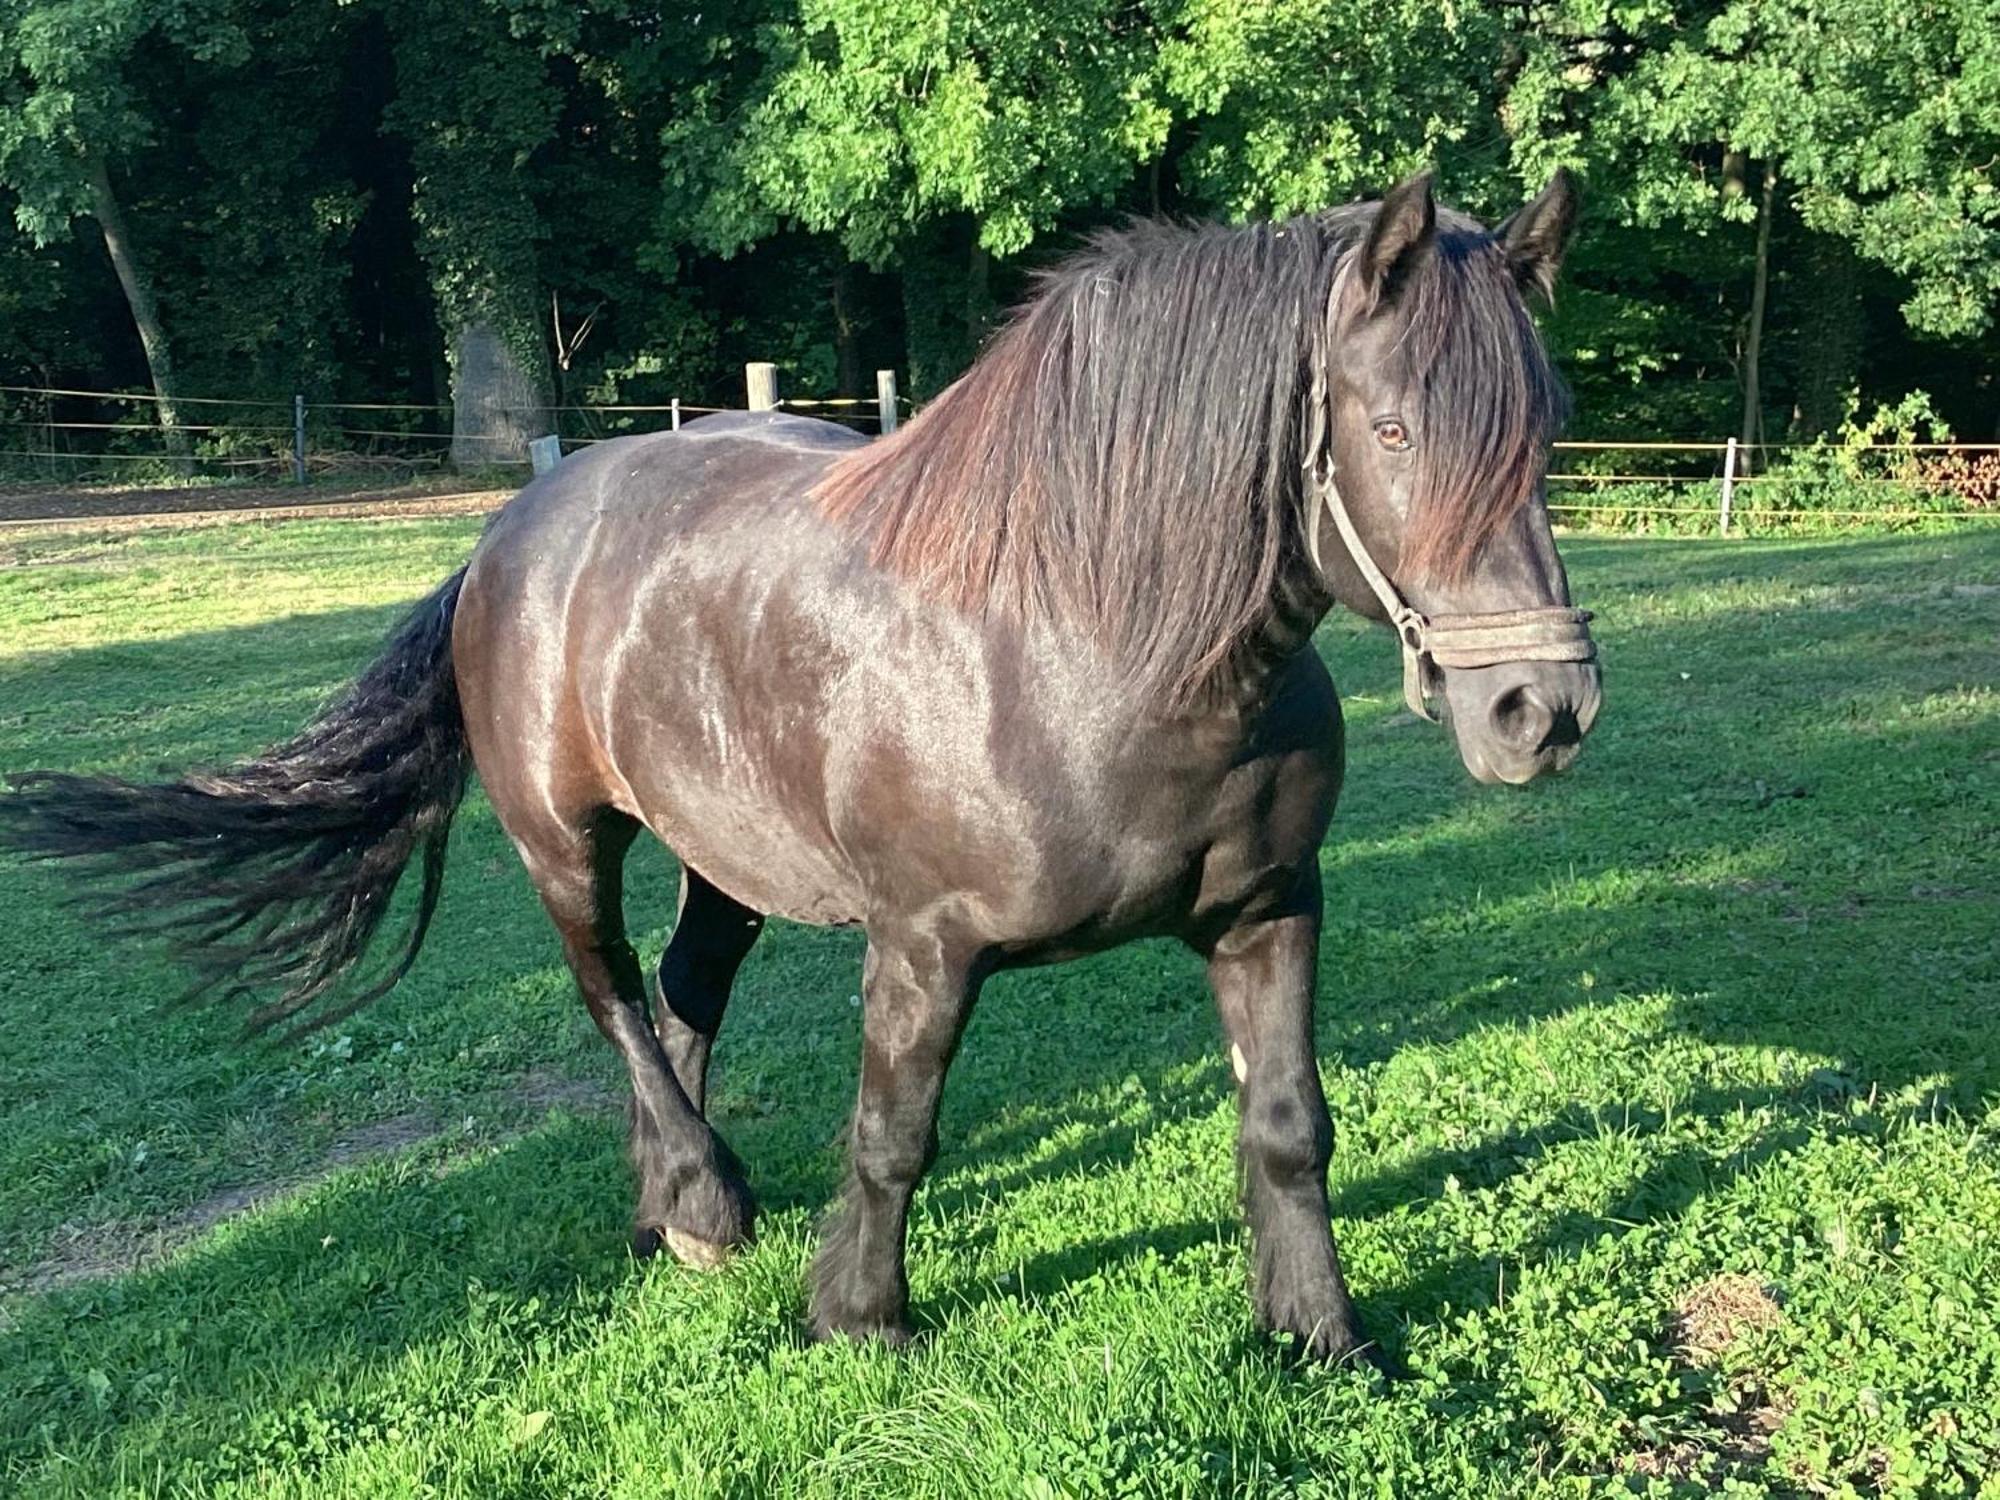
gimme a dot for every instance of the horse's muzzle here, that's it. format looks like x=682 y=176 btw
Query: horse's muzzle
x=1520 y=720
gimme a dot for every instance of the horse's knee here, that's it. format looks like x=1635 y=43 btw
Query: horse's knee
x=1286 y=1135
x=890 y=1153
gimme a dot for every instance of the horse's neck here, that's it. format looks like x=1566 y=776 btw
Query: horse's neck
x=1297 y=605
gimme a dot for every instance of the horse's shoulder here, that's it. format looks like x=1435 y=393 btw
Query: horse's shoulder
x=1302 y=711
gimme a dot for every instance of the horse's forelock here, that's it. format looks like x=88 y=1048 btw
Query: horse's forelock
x=1491 y=403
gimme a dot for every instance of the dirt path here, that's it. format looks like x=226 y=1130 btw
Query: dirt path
x=28 y=506
x=83 y=1252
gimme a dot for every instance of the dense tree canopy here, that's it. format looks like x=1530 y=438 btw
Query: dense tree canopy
x=510 y=204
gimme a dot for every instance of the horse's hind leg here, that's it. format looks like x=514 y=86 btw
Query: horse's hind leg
x=711 y=937
x=691 y=1190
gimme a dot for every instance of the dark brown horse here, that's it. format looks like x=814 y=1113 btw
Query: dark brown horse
x=1028 y=679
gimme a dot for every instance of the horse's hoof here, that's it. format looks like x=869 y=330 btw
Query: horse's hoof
x=889 y=1333
x=700 y=1254
x=1337 y=1349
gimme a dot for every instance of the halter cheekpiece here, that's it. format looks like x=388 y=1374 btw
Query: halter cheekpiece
x=1544 y=633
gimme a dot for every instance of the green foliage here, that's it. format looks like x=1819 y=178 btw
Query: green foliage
x=258 y=267
x=1882 y=123
x=1302 y=104
x=872 y=119
x=35 y=284
x=324 y=193
x=1851 y=473
x=1865 y=477
x=1646 y=359
x=69 y=90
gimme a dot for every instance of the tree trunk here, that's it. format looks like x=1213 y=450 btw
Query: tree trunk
x=1830 y=318
x=1735 y=168
x=498 y=400
x=978 y=295
x=846 y=333
x=1753 y=339
x=138 y=290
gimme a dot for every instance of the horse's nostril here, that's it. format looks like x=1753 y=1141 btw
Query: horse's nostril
x=1564 y=730
x=1521 y=718
x=1525 y=719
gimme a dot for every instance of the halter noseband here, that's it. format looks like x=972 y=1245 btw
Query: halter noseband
x=1544 y=633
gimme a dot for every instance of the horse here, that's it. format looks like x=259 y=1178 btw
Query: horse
x=1029 y=678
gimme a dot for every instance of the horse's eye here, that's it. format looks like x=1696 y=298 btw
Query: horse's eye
x=1392 y=435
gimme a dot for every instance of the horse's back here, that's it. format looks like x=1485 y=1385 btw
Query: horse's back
x=628 y=514
x=664 y=479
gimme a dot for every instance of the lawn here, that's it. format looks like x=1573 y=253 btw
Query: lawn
x=1666 y=1099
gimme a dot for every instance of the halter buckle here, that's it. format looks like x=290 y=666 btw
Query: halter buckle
x=1413 y=632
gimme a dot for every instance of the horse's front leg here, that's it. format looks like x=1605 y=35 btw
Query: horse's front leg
x=916 y=997
x=1263 y=976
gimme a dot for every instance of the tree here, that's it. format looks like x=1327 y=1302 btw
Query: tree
x=391 y=198
x=71 y=115
x=1298 y=105
x=474 y=102
x=935 y=138
x=1866 y=121
x=926 y=136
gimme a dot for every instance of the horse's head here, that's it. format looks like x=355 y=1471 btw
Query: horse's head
x=1434 y=406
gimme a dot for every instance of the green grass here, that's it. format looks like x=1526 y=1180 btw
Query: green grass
x=1726 y=1000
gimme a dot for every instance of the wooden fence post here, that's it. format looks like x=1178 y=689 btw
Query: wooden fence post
x=1728 y=483
x=298 y=439
x=885 y=399
x=761 y=380
x=674 y=414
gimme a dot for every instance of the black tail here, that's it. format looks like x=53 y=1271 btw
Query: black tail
x=276 y=873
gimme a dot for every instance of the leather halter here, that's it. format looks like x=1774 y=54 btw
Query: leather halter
x=1544 y=633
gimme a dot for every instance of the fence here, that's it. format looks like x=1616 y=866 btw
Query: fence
x=1726 y=486
x=1720 y=486
x=298 y=439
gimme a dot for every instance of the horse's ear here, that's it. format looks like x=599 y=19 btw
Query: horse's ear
x=1536 y=235
x=1403 y=226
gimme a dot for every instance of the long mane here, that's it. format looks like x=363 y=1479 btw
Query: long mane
x=1129 y=452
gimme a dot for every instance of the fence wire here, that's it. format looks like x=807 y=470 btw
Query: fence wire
x=65 y=436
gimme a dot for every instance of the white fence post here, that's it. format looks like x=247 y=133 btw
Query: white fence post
x=674 y=414
x=1728 y=483
x=761 y=382
x=544 y=453
x=885 y=399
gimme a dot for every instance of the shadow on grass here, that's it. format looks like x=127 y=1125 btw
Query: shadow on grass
x=1753 y=847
